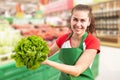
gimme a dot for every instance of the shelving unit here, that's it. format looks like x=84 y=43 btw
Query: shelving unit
x=107 y=21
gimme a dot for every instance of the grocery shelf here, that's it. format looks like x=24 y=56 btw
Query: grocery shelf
x=107 y=21
x=9 y=71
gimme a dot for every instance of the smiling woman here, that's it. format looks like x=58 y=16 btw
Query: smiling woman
x=77 y=48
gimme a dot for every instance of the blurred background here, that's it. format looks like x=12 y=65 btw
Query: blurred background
x=49 y=20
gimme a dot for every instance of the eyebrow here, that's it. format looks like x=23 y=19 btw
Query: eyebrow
x=78 y=19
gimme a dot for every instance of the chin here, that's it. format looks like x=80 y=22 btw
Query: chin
x=78 y=33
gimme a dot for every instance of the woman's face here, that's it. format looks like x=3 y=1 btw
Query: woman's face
x=79 y=21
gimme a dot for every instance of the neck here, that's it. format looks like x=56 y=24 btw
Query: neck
x=77 y=36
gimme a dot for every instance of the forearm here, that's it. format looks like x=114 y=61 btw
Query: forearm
x=81 y=65
x=53 y=49
x=68 y=69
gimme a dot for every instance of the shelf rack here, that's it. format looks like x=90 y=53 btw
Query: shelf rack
x=107 y=21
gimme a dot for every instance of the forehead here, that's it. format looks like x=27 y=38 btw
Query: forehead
x=81 y=14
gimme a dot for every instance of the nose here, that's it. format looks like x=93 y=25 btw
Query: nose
x=78 y=23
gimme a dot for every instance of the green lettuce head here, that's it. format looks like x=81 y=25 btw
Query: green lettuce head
x=30 y=52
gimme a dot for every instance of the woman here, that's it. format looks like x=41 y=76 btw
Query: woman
x=77 y=48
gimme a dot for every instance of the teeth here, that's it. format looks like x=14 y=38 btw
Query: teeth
x=76 y=28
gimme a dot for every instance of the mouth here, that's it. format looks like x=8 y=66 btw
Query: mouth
x=77 y=27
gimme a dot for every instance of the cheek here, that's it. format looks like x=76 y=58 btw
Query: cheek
x=72 y=23
x=86 y=24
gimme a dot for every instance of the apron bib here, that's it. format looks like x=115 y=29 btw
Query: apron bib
x=69 y=56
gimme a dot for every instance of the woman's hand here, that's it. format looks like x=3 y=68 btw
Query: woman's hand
x=45 y=61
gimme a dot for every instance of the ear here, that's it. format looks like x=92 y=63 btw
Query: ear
x=89 y=22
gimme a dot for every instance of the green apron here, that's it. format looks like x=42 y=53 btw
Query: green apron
x=69 y=56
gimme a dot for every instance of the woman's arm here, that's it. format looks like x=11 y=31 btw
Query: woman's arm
x=53 y=49
x=85 y=60
x=82 y=64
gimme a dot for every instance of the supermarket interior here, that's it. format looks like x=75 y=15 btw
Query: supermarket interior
x=49 y=19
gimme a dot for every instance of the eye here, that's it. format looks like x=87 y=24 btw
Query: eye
x=82 y=20
x=75 y=19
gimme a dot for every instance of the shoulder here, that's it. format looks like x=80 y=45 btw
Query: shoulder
x=91 y=37
x=92 y=42
x=60 y=40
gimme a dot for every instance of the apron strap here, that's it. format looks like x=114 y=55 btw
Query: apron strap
x=82 y=40
x=69 y=36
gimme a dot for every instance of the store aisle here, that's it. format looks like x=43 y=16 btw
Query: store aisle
x=109 y=67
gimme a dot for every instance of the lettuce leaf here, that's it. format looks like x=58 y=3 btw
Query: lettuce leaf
x=30 y=52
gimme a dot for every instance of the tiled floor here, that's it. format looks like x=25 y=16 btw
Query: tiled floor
x=109 y=67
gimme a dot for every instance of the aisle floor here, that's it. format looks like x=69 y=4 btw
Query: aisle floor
x=109 y=64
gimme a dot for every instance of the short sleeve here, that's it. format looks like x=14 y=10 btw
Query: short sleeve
x=60 y=40
x=92 y=43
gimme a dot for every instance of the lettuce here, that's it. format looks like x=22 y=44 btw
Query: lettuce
x=30 y=52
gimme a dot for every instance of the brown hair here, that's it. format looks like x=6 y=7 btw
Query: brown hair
x=91 y=27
